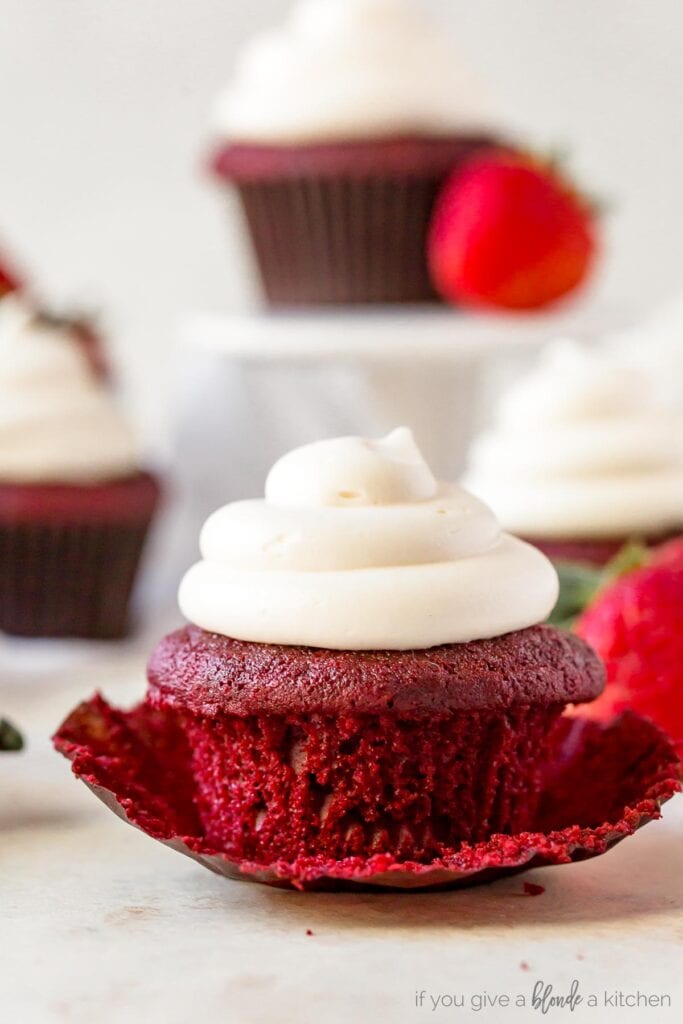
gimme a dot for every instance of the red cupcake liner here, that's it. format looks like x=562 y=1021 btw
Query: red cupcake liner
x=69 y=556
x=601 y=784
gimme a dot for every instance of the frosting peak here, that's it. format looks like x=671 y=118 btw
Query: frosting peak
x=356 y=546
x=342 y=69
x=350 y=471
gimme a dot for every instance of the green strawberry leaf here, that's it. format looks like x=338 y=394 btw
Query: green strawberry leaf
x=580 y=583
x=633 y=555
x=10 y=738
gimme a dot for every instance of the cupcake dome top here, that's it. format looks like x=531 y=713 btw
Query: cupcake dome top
x=349 y=69
x=58 y=422
x=357 y=547
x=582 y=447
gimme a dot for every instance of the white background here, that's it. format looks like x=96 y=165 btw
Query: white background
x=102 y=128
x=103 y=107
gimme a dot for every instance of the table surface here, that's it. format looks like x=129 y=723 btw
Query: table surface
x=102 y=924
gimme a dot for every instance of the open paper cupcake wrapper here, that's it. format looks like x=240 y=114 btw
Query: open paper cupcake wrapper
x=603 y=783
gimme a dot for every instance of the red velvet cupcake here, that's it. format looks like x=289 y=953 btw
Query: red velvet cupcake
x=410 y=753
x=74 y=506
x=364 y=682
x=337 y=147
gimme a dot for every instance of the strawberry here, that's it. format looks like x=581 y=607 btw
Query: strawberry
x=8 y=283
x=636 y=626
x=509 y=232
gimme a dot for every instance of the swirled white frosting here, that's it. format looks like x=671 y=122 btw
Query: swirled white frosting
x=343 y=69
x=581 y=448
x=357 y=547
x=58 y=423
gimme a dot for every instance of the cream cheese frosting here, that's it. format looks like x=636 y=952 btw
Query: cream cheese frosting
x=58 y=423
x=582 y=448
x=356 y=546
x=348 y=69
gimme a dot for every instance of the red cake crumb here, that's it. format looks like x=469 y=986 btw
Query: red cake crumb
x=532 y=889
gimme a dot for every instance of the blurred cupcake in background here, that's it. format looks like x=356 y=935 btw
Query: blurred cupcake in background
x=75 y=506
x=338 y=131
x=583 y=457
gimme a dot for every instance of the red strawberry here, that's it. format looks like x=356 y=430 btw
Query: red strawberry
x=509 y=232
x=8 y=283
x=636 y=626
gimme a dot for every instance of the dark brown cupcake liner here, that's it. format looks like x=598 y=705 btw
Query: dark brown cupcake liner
x=68 y=579
x=601 y=784
x=339 y=240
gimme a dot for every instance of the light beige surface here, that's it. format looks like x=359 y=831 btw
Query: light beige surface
x=100 y=924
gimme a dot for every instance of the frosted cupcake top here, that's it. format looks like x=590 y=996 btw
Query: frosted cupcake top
x=348 y=69
x=582 y=448
x=357 y=547
x=58 y=423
